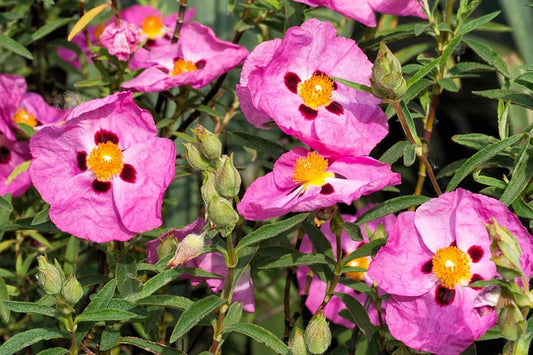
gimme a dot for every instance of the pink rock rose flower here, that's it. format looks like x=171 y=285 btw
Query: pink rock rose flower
x=430 y=258
x=317 y=287
x=363 y=10
x=104 y=171
x=196 y=59
x=290 y=81
x=120 y=38
x=304 y=181
x=211 y=262
x=12 y=154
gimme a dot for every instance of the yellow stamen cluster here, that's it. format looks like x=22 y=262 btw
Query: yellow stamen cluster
x=152 y=26
x=182 y=66
x=316 y=91
x=451 y=266
x=105 y=161
x=311 y=170
x=23 y=116
x=359 y=262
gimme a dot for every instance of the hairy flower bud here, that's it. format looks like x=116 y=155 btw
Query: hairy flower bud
x=221 y=212
x=297 y=343
x=189 y=248
x=387 y=80
x=195 y=158
x=318 y=335
x=210 y=145
x=505 y=250
x=228 y=180
x=208 y=188
x=72 y=290
x=49 y=276
x=166 y=247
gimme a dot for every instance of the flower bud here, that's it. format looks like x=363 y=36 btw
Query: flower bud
x=208 y=188
x=72 y=290
x=189 y=248
x=227 y=180
x=210 y=145
x=505 y=250
x=195 y=158
x=387 y=80
x=510 y=319
x=166 y=247
x=297 y=343
x=221 y=212
x=324 y=214
x=318 y=335
x=49 y=276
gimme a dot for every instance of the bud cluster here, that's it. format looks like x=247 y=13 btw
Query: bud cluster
x=52 y=280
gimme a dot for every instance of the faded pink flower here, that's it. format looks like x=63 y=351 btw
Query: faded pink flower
x=104 y=171
x=290 y=81
x=120 y=38
x=430 y=258
x=194 y=60
x=211 y=262
x=363 y=10
x=305 y=181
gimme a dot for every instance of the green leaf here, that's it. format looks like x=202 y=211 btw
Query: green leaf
x=390 y=206
x=394 y=153
x=415 y=89
x=29 y=337
x=450 y=47
x=150 y=346
x=488 y=54
x=4 y=296
x=476 y=141
x=5 y=203
x=54 y=351
x=42 y=216
x=209 y=111
x=109 y=339
x=358 y=314
x=26 y=129
x=353 y=85
x=85 y=19
x=22 y=167
x=410 y=123
x=409 y=155
x=13 y=46
x=513 y=96
x=48 y=28
x=155 y=283
x=191 y=316
x=273 y=149
x=291 y=258
x=167 y=301
x=89 y=83
x=448 y=84
x=353 y=231
x=521 y=175
x=271 y=230
x=422 y=72
x=319 y=240
x=30 y=307
x=472 y=25
x=260 y=335
x=468 y=67
x=522 y=209
x=522 y=345
x=367 y=249
x=105 y=314
x=126 y=274
x=233 y=315
x=476 y=160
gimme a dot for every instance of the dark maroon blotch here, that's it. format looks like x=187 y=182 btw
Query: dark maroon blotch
x=454 y=244
x=291 y=82
x=444 y=296
x=335 y=86
x=476 y=253
x=103 y=136
x=5 y=155
x=427 y=267
x=200 y=64
x=335 y=108
x=150 y=42
x=82 y=161
x=327 y=189
x=318 y=73
x=476 y=277
x=128 y=173
x=101 y=186
x=308 y=112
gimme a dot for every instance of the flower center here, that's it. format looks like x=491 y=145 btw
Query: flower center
x=23 y=116
x=451 y=266
x=105 y=161
x=152 y=26
x=359 y=262
x=316 y=91
x=311 y=170
x=182 y=66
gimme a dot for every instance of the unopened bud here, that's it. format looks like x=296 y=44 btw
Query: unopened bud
x=297 y=343
x=167 y=246
x=189 y=248
x=387 y=80
x=324 y=214
x=208 y=188
x=72 y=290
x=318 y=335
x=49 y=276
x=505 y=251
x=195 y=158
x=221 y=212
x=228 y=179
x=210 y=145
x=510 y=319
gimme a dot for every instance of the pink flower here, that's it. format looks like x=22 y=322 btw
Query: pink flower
x=212 y=262
x=290 y=81
x=19 y=106
x=317 y=287
x=430 y=258
x=195 y=60
x=304 y=181
x=120 y=38
x=104 y=171
x=363 y=10
x=12 y=154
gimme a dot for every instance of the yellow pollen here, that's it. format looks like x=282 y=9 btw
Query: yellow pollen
x=182 y=66
x=316 y=91
x=105 y=161
x=311 y=170
x=359 y=262
x=451 y=266
x=23 y=116
x=152 y=26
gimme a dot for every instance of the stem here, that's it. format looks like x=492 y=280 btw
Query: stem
x=179 y=21
x=286 y=300
x=114 y=7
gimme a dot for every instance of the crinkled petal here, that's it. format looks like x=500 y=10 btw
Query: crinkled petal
x=19 y=152
x=44 y=113
x=12 y=88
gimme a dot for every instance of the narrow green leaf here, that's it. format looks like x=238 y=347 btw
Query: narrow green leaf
x=367 y=249
x=468 y=67
x=155 y=283
x=410 y=122
x=476 y=160
x=450 y=47
x=522 y=345
x=292 y=258
x=521 y=175
x=394 y=153
x=409 y=155
x=5 y=202
x=209 y=111
x=26 y=129
x=191 y=316
x=271 y=230
x=422 y=72
x=415 y=89
x=319 y=240
x=42 y=216
x=390 y=206
x=105 y=314
x=150 y=346
x=472 y=25
x=30 y=307
x=54 y=351
x=261 y=335
x=4 y=296
x=29 y=337
x=522 y=209
x=233 y=315
x=488 y=54
x=514 y=97
x=109 y=339
x=22 y=167
x=89 y=83
x=126 y=274
x=353 y=231
x=358 y=314
x=353 y=85
x=448 y=84
x=15 y=47
x=166 y=301
x=48 y=28
x=85 y=19
x=476 y=141
x=273 y=149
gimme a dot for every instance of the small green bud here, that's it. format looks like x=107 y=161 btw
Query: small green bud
x=297 y=343
x=195 y=158
x=72 y=290
x=49 y=276
x=208 y=188
x=221 y=212
x=210 y=145
x=228 y=180
x=189 y=248
x=166 y=247
x=318 y=335
x=505 y=251
x=387 y=80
